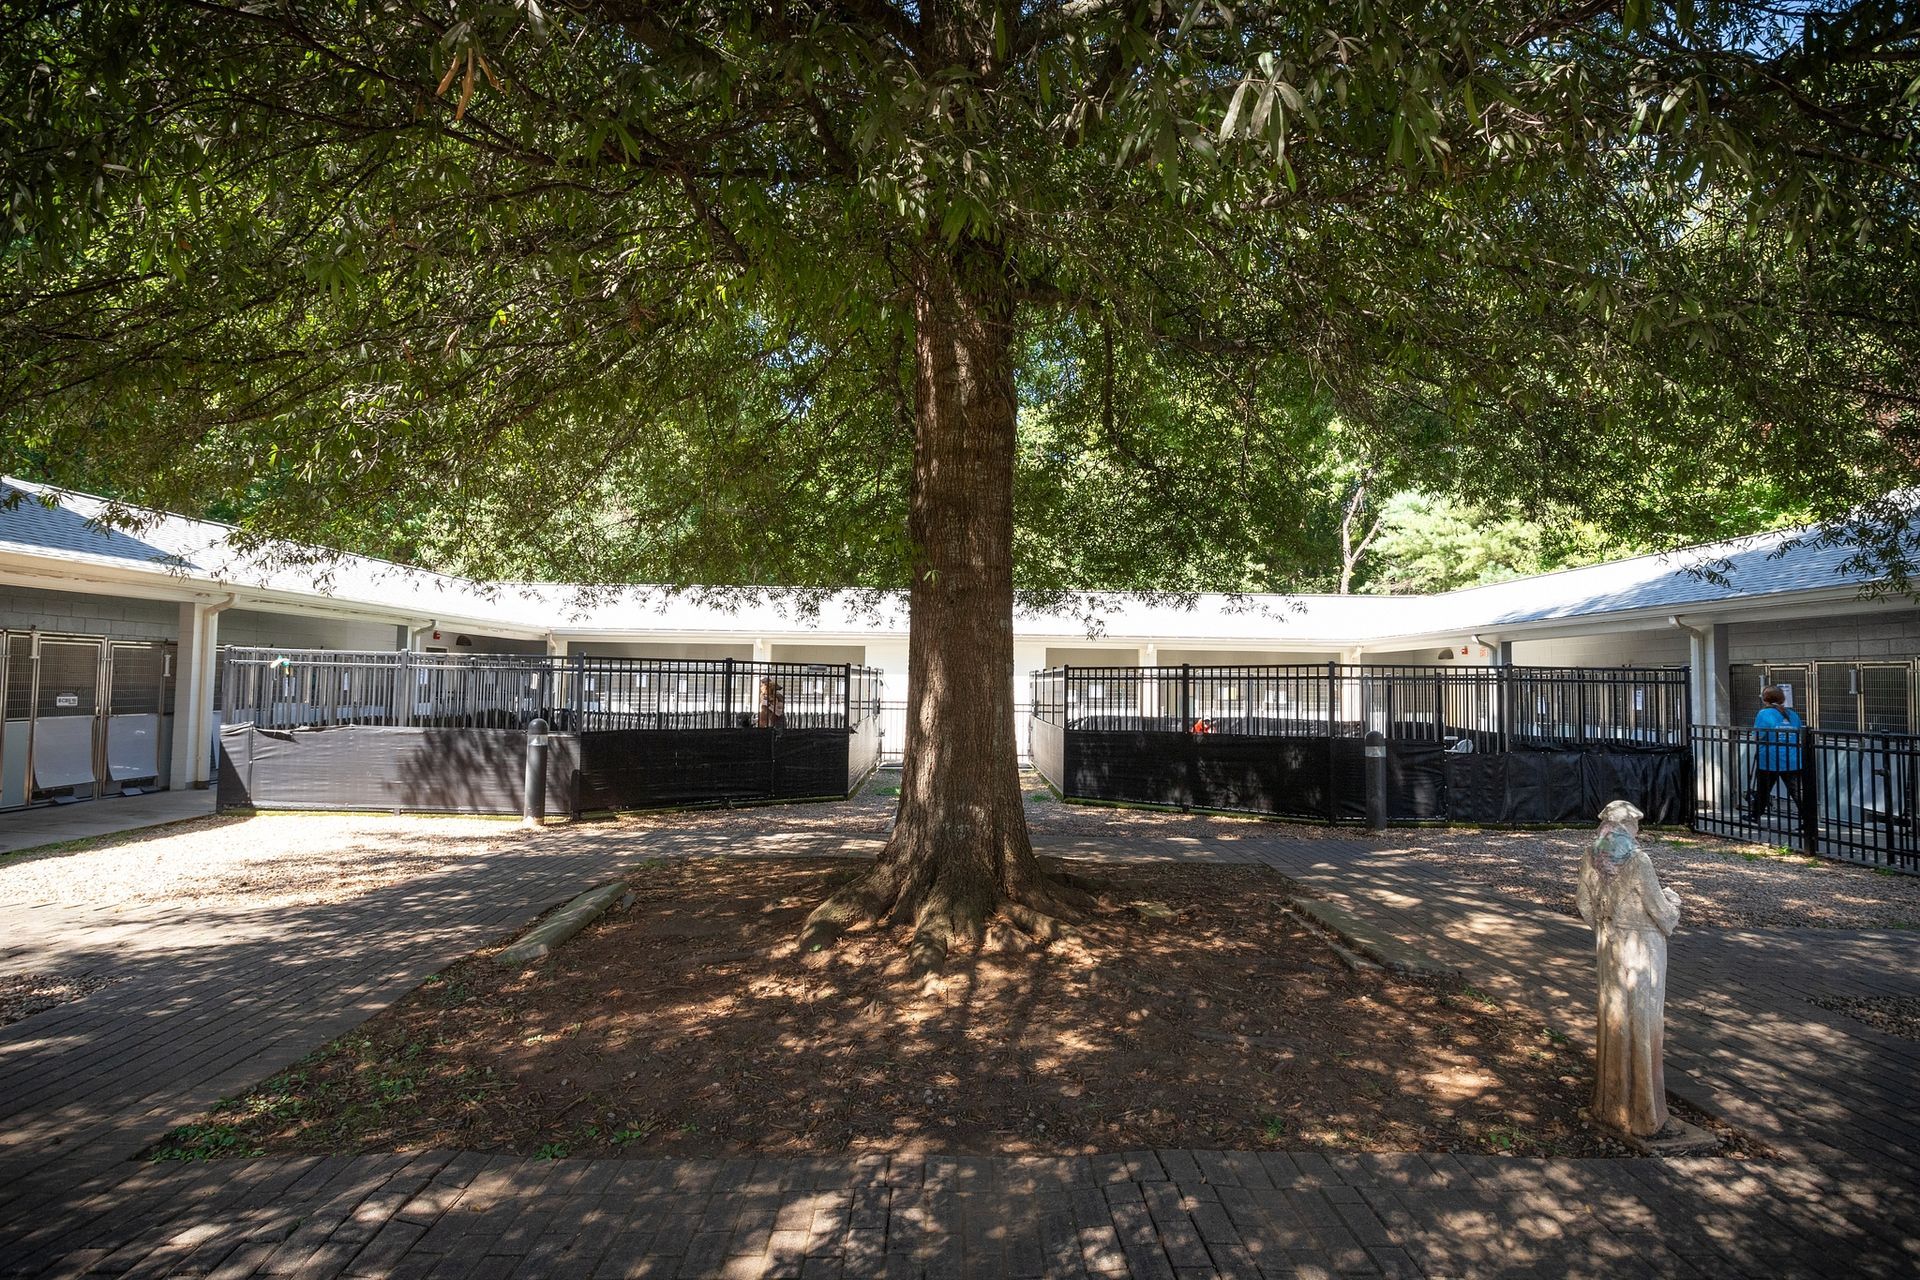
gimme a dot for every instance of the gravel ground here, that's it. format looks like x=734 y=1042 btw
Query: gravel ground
x=1895 y=1015
x=24 y=994
x=223 y=863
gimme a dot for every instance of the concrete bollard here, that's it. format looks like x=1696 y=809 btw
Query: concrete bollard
x=1376 y=753
x=533 y=793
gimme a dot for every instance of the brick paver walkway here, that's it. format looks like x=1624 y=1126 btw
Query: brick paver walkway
x=207 y=1008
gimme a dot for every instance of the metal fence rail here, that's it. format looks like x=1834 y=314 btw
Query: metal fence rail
x=279 y=688
x=1496 y=707
x=1852 y=796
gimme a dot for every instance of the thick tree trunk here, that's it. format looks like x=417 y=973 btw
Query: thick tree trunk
x=959 y=852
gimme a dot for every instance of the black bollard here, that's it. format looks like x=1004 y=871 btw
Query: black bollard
x=1376 y=751
x=533 y=794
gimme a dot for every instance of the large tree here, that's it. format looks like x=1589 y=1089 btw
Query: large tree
x=765 y=284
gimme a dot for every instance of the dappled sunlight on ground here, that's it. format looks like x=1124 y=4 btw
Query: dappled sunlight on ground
x=263 y=861
x=1722 y=885
x=687 y=1024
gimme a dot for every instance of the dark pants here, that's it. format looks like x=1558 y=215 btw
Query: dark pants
x=1763 y=780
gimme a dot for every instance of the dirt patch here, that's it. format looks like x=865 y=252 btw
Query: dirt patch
x=1895 y=1015
x=1191 y=1012
x=24 y=994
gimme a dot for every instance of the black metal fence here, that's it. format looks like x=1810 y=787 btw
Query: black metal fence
x=1493 y=707
x=1853 y=796
x=1475 y=744
x=286 y=688
x=415 y=731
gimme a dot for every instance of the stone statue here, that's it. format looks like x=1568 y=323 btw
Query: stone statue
x=1631 y=915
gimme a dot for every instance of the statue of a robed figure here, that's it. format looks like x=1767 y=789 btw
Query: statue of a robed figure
x=1632 y=916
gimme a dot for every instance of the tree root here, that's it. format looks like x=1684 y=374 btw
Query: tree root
x=865 y=899
x=1031 y=916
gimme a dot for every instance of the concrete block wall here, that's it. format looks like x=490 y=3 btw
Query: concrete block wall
x=1894 y=634
x=24 y=608
x=258 y=628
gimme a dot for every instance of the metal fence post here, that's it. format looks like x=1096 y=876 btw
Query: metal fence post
x=1333 y=711
x=1809 y=790
x=533 y=792
x=577 y=697
x=1690 y=761
x=727 y=701
x=1505 y=708
x=1186 y=696
x=403 y=689
x=1376 y=757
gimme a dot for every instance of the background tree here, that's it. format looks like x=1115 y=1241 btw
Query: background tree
x=759 y=285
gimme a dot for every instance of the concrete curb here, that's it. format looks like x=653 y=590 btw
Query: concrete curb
x=538 y=941
x=1376 y=945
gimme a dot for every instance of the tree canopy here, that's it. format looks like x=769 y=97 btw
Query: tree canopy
x=758 y=292
x=620 y=290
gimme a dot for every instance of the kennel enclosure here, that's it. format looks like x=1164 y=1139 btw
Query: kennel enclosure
x=447 y=732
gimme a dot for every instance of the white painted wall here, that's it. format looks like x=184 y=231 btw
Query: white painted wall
x=486 y=644
x=1430 y=656
x=1092 y=656
x=1664 y=647
x=257 y=628
x=856 y=654
x=1241 y=658
x=636 y=649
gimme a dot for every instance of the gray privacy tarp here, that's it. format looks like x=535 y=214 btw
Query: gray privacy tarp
x=1288 y=777
x=660 y=768
x=1569 y=785
x=384 y=767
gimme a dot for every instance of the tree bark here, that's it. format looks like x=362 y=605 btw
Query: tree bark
x=959 y=852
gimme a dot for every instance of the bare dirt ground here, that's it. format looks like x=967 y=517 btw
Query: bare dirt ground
x=1191 y=1012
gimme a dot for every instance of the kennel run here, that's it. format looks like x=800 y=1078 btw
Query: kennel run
x=447 y=732
x=1493 y=745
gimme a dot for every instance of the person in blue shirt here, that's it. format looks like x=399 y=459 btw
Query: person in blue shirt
x=1776 y=758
